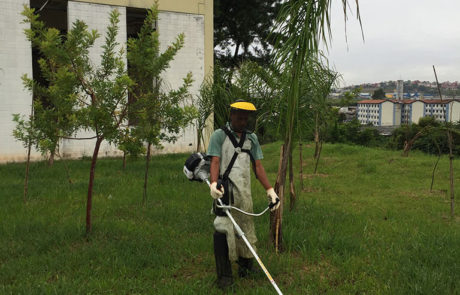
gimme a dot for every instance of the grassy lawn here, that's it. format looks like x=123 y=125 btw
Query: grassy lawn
x=367 y=223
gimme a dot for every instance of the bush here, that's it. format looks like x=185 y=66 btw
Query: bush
x=432 y=140
x=353 y=133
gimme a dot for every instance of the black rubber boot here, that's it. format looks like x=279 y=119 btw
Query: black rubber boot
x=223 y=265
x=246 y=267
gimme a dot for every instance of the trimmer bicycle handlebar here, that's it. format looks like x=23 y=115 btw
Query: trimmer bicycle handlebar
x=222 y=206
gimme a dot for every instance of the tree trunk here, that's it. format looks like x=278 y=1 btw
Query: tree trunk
x=51 y=158
x=434 y=168
x=124 y=160
x=301 y=166
x=408 y=144
x=316 y=137
x=29 y=147
x=237 y=48
x=292 y=195
x=89 y=201
x=198 y=135
x=451 y=172
x=276 y=217
x=67 y=171
x=66 y=167
x=147 y=161
x=318 y=156
x=26 y=178
x=432 y=174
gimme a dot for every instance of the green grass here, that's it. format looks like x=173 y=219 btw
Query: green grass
x=366 y=224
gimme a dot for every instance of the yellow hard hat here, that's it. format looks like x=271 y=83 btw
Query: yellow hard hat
x=243 y=105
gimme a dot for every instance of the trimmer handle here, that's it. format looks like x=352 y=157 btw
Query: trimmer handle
x=271 y=205
x=219 y=184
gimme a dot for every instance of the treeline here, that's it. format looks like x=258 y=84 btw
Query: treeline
x=428 y=136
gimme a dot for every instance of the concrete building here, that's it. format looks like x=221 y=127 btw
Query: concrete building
x=194 y=18
x=454 y=111
x=411 y=111
x=399 y=89
x=438 y=109
x=379 y=112
x=447 y=110
x=394 y=112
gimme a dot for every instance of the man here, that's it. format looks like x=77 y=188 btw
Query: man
x=233 y=148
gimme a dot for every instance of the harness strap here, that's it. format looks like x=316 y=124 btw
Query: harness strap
x=237 y=145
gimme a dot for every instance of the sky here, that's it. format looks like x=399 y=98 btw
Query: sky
x=403 y=39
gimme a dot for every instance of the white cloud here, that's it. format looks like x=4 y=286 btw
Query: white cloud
x=403 y=39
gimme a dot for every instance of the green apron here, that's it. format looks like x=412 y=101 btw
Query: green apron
x=240 y=186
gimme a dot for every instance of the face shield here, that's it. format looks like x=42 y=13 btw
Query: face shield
x=242 y=120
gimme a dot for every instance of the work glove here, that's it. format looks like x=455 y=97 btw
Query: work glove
x=272 y=198
x=216 y=193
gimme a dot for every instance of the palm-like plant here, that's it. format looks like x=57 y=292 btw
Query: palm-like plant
x=301 y=26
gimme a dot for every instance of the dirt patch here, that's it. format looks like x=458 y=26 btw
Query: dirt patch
x=324 y=269
x=310 y=190
x=310 y=176
x=449 y=218
x=192 y=268
x=410 y=194
x=307 y=161
x=435 y=193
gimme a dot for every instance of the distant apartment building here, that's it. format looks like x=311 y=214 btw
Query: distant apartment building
x=396 y=112
x=379 y=112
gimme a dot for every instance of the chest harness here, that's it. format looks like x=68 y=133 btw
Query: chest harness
x=224 y=180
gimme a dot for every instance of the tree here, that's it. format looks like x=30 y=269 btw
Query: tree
x=379 y=94
x=130 y=144
x=241 y=29
x=302 y=24
x=324 y=80
x=101 y=99
x=205 y=110
x=53 y=115
x=159 y=114
x=25 y=132
x=349 y=97
x=258 y=84
x=450 y=140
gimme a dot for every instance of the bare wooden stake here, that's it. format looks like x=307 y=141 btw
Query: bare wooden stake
x=301 y=166
x=124 y=160
x=318 y=156
x=147 y=161
x=451 y=172
x=432 y=174
x=26 y=179
x=292 y=194
x=276 y=216
x=451 y=155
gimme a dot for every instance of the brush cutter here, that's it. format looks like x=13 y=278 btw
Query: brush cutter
x=197 y=168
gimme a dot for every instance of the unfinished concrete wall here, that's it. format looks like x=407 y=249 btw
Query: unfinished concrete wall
x=96 y=16
x=189 y=59
x=15 y=61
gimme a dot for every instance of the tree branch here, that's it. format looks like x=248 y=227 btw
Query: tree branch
x=79 y=138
